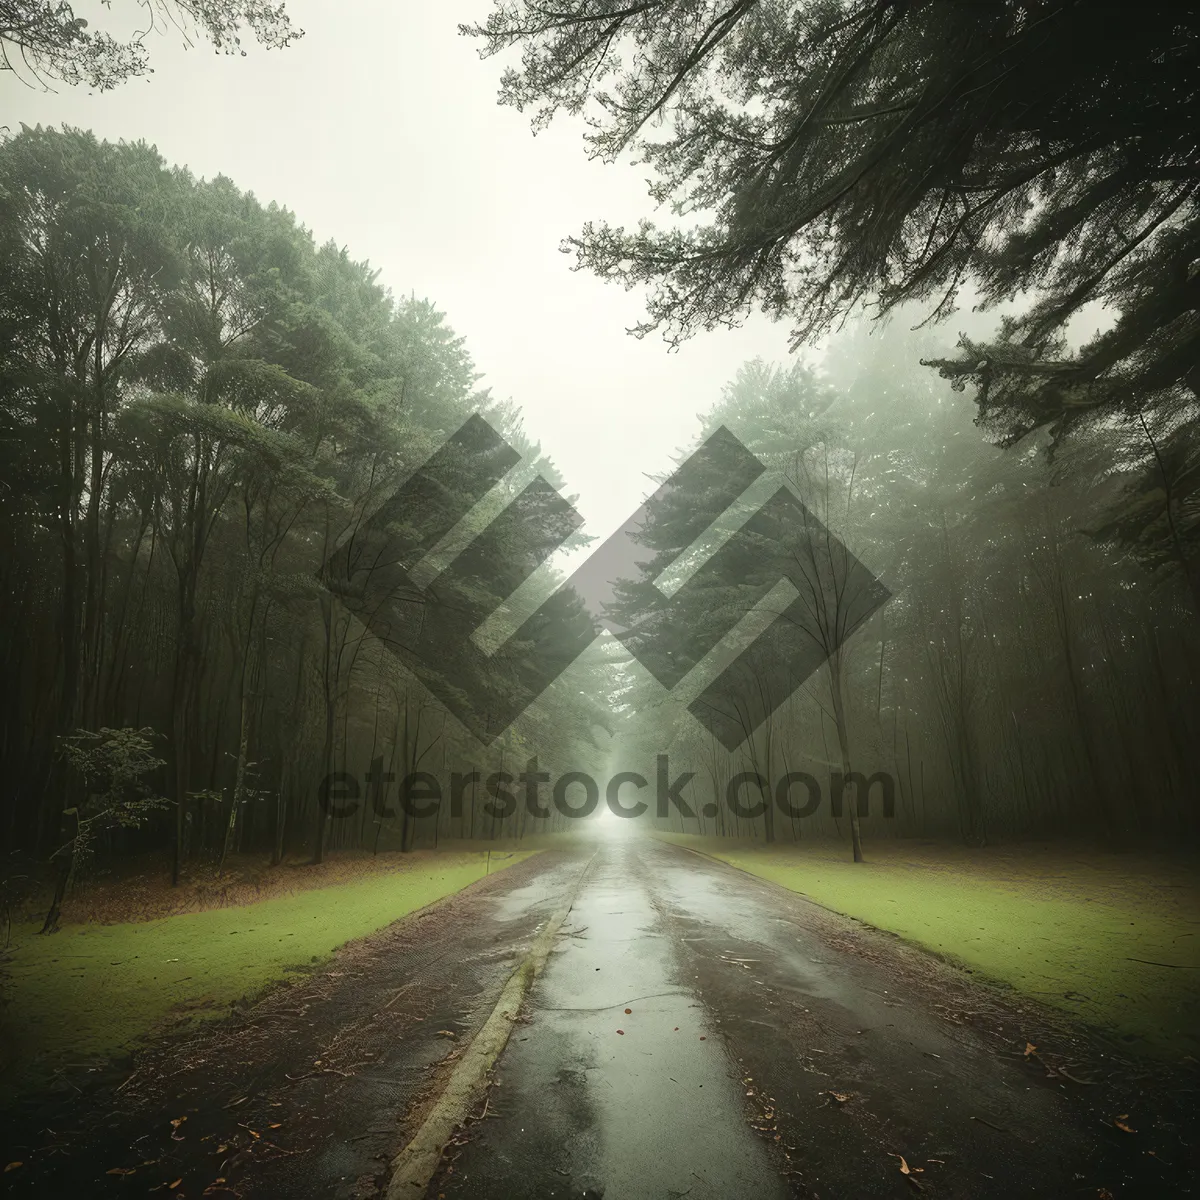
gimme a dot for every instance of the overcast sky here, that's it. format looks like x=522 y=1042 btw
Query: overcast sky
x=380 y=129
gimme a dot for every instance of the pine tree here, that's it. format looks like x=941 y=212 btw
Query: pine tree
x=864 y=153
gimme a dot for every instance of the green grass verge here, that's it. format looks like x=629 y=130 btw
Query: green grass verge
x=92 y=992
x=1065 y=927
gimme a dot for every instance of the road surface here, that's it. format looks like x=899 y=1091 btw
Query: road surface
x=696 y=1032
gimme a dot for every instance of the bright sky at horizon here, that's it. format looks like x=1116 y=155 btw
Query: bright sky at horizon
x=380 y=129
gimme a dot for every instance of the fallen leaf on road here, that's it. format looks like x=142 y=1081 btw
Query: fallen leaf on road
x=905 y=1169
x=703 y=1039
x=12 y=1166
x=840 y=1097
x=447 y=1033
x=621 y=1032
x=120 y=1170
x=1120 y=1123
x=1030 y=1048
x=177 y=1182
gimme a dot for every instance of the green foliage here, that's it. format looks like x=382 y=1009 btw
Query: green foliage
x=825 y=156
x=113 y=764
x=45 y=39
x=198 y=406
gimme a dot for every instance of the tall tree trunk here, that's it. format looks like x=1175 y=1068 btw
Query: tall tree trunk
x=93 y=596
x=329 y=682
x=839 y=717
x=181 y=711
x=248 y=680
x=239 y=777
x=322 y=819
x=55 y=791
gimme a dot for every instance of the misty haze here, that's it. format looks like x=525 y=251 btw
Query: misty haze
x=599 y=600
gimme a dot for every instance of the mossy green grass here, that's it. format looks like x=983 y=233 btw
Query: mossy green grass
x=1112 y=939
x=94 y=992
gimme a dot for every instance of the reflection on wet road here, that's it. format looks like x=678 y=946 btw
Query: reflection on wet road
x=618 y=1086
x=692 y=1031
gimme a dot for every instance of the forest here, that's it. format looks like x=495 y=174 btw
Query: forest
x=200 y=405
x=340 y=739
x=1030 y=673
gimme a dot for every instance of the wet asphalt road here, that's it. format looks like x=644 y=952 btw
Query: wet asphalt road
x=771 y=1049
x=619 y=1086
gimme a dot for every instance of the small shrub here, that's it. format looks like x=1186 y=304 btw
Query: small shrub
x=114 y=764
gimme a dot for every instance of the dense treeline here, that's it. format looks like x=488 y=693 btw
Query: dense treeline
x=824 y=159
x=1029 y=675
x=198 y=406
x=200 y=410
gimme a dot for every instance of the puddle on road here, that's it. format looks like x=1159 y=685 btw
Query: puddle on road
x=548 y=886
